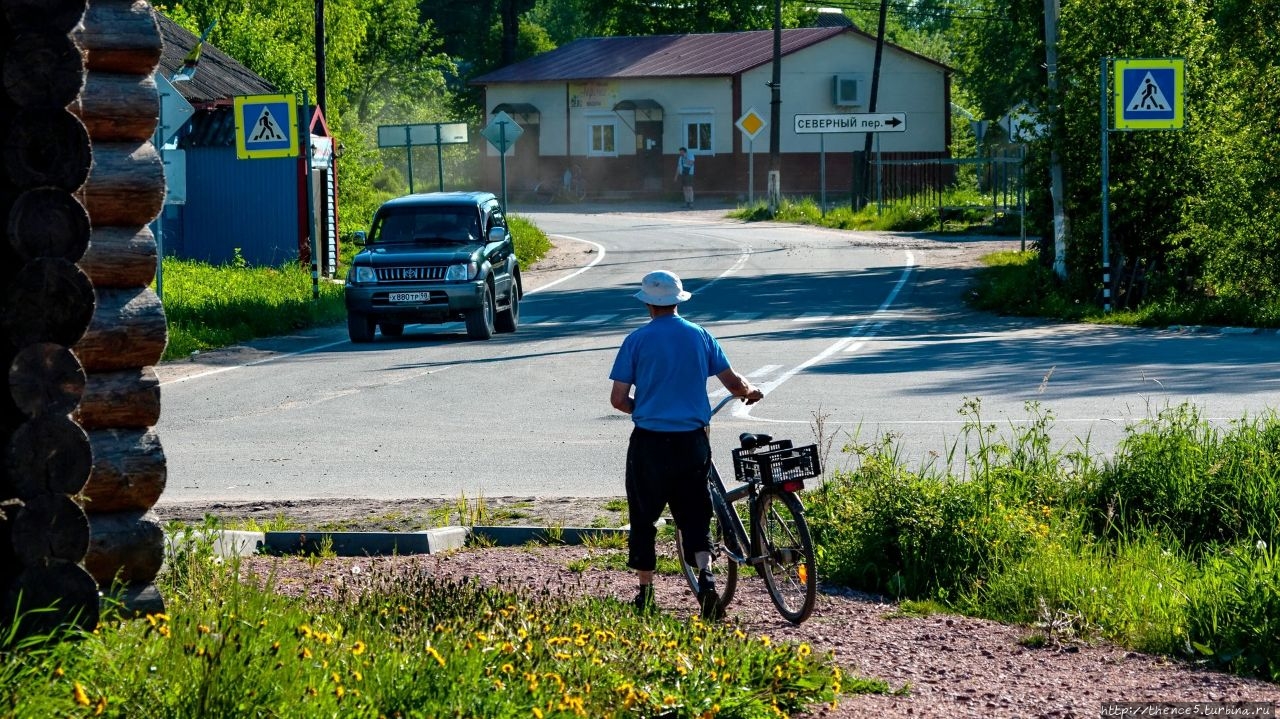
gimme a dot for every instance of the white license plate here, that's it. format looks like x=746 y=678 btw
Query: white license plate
x=409 y=297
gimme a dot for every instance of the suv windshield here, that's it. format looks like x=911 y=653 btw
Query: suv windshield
x=426 y=225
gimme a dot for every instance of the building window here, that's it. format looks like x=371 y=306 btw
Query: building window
x=604 y=137
x=697 y=134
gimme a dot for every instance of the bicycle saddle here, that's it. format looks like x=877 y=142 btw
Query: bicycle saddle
x=751 y=441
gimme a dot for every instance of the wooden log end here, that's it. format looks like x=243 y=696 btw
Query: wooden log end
x=52 y=595
x=48 y=454
x=46 y=379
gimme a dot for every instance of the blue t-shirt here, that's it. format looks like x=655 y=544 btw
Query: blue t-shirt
x=669 y=361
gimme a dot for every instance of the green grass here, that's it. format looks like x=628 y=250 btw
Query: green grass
x=409 y=646
x=1169 y=546
x=906 y=215
x=1020 y=283
x=212 y=306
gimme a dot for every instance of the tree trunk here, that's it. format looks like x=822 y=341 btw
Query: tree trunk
x=46 y=148
x=120 y=108
x=124 y=546
x=43 y=70
x=120 y=257
x=48 y=222
x=121 y=36
x=50 y=527
x=129 y=471
x=46 y=379
x=128 y=331
x=126 y=186
x=50 y=300
x=127 y=399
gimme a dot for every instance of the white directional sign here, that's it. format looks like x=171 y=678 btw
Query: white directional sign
x=266 y=126
x=428 y=133
x=851 y=122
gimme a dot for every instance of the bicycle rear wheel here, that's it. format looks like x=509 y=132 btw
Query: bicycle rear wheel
x=789 y=570
x=723 y=568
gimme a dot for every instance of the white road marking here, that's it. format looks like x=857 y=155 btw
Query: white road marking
x=863 y=329
x=811 y=317
x=595 y=319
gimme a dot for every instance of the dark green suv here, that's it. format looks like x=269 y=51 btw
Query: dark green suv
x=432 y=258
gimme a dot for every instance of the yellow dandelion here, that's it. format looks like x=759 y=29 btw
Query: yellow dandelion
x=304 y=631
x=669 y=701
x=764 y=639
x=59 y=672
x=358 y=648
x=311 y=691
x=163 y=630
x=100 y=706
x=306 y=653
x=537 y=712
x=203 y=629
x=507 y=669
x=435 y=655
x=803 y=650
x=508 y=647
x=77 y=691
x=262 y=624
x=356 y=675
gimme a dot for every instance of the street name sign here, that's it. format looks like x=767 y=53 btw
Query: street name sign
x=851 y=122
x=1149 y=94
x=266 y=126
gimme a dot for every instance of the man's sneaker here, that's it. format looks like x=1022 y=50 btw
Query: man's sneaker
x=709 y=599
x=644 y=599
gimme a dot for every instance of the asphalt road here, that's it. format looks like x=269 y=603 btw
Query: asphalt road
x=866 y=332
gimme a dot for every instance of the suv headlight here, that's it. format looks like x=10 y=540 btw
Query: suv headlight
x=460 y=273
x=365 y=274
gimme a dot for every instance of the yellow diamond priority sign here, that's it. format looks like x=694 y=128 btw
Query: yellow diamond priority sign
x=751 y=123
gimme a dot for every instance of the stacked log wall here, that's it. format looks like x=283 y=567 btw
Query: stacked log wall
x=126 y=336
x=80 y=328
x=47 y=306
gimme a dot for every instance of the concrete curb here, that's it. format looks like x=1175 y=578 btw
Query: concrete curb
x=230 y=543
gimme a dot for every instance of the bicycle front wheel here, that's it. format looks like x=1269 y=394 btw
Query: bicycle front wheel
x=789 y=569
x=723 y=567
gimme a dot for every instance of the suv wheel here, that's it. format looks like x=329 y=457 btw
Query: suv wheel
x=391 y=329
x=509 y=319
x=359 y=327
x=480 y=320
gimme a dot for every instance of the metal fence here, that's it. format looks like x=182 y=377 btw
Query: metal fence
x=997 y=178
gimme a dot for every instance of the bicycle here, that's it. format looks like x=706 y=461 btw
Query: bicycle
x=780 y=547
x=569 y=188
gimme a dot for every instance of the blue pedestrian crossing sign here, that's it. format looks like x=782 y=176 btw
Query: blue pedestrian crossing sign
x=1149 y=94
x=266 y=126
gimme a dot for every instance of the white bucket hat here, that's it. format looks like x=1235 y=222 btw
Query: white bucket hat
x=661 y=288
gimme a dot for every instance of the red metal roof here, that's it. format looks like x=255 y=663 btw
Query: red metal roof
x=704 y=55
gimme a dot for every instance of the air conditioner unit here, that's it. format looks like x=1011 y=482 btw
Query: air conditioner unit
x=848 y=89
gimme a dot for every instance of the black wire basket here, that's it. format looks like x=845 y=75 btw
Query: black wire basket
x=776 y=463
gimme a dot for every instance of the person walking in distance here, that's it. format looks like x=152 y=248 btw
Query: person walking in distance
x=684 y=173
x=667 y=362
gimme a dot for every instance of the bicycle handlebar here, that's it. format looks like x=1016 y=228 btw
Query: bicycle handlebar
x=720 y=405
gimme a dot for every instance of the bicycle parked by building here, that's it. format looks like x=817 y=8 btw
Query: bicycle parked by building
x=569 y=187
x=778 y=544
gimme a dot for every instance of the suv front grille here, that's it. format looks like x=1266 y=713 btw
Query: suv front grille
x=410 y=274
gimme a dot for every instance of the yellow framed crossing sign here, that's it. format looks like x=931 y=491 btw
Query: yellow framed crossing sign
x=1149 y=94
x=266 y=126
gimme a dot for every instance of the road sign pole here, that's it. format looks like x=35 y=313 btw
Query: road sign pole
x=304 y=134
x=408 y=153
x=439 y=158
x=751 y=172
x=1106 y=199
x=159 y=221
x=822 y=173
x=502 y=160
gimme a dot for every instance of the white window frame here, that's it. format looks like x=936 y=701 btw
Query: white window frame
x=695 y=117
x=597 y=121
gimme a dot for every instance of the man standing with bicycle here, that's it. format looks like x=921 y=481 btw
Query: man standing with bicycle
x=668 y=362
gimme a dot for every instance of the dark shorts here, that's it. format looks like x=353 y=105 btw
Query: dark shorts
x=686 y=180
x=667 y=469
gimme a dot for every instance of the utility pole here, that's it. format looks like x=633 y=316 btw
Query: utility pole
x=1056 y=183
x=862 y=195
x=321 y=80
x=775 y=112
